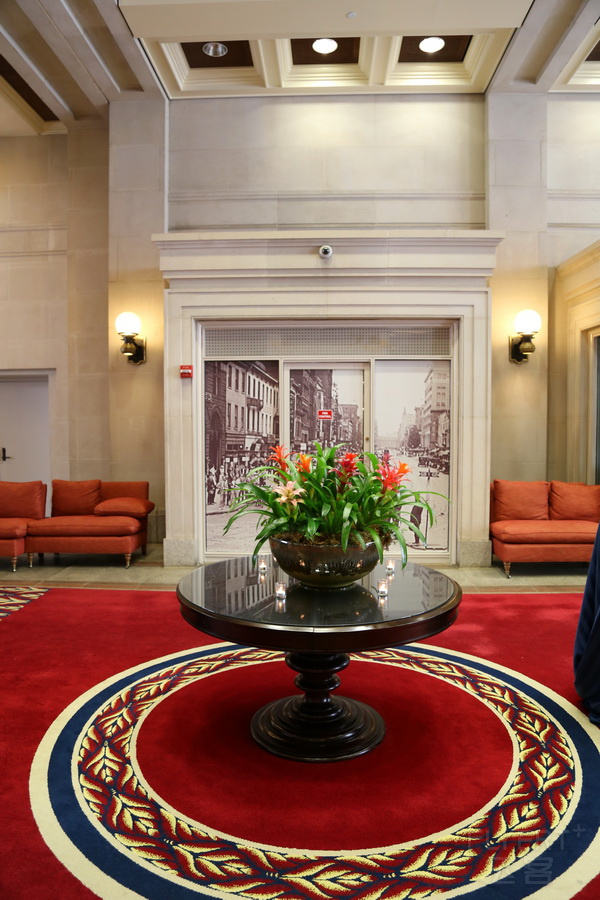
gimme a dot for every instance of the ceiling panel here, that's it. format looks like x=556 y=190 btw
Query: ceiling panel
x=66 y=60
x=176 y=20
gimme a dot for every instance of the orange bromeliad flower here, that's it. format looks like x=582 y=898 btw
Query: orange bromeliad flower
x=389 y=477
x=279 y=456
x=303 y=462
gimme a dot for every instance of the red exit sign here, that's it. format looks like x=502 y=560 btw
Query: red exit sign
x=325 y=414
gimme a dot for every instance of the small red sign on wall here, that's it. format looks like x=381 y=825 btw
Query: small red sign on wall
x=186 y=371
x=325 y=414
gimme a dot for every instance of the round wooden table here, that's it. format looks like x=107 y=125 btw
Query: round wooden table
x=231 y=599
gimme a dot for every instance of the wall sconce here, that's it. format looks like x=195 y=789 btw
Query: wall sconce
x=128 y=325
x=520 y=345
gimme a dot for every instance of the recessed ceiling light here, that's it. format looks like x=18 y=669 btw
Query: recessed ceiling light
x=432 y=44
x=214 y=48
x=351 y=15
x=324 y=45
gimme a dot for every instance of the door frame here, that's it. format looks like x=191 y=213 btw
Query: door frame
x=290 y=363
x=361 y=362
x=49 y=377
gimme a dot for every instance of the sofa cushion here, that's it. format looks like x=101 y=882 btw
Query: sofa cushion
x=124 y=506
x=13 y=528
x=75 y=498
x=111 y=489
x=551 y=531
x=520 y=499
x=574 y=501
x=84 y=526
x=23 y=499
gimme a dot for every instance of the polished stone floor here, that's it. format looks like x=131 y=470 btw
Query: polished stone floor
x=148 y=573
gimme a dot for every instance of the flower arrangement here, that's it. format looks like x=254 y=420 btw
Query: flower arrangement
x=330 y=498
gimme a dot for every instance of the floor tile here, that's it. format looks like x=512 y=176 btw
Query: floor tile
x=148 y=573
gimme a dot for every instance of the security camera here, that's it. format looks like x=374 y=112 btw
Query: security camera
x=325 y=252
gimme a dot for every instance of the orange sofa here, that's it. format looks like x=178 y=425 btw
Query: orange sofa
x=21 y=502
x=543 y=521
x=92 y=517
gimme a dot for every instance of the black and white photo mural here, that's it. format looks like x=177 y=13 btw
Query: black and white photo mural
x=412 y=418
x=398 y=408
x=241 y=424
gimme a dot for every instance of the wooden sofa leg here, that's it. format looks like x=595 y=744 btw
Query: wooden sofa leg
x=13 y=561
x=30 y=560
x=506 y=569
x=127 y=560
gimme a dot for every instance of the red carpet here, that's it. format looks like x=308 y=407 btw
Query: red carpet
x=195 y=751
x=213 y=742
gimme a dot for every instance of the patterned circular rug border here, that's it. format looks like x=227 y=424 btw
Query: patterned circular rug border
x=107 y=826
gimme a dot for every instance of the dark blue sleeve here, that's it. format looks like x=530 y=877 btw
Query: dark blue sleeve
x=586 y=656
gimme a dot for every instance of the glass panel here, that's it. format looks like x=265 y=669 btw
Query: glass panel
x=327 y=406
x=241 y=415
x=412 y=424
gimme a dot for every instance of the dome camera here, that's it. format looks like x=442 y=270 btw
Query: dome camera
x=325 y=252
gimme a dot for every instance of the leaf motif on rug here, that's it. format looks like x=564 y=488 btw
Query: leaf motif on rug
x=15 y=598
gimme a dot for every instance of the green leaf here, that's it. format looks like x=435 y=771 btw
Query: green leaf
x=377 y=542
x=311 y=528
x=402 y=541
x=345 y=534
x=271 y=529
x=416 y=530
x=373 y=460
x=346 y=512
x=245 y=512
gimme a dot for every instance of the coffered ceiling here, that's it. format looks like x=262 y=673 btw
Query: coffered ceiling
x=63 y=61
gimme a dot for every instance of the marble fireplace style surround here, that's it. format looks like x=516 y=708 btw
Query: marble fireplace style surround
x=372 y=277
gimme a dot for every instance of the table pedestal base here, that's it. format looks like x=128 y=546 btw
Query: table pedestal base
x=317 y=727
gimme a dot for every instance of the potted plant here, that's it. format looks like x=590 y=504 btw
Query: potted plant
x=329 y=515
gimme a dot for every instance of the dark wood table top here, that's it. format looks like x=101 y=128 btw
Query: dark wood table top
x=231 y=600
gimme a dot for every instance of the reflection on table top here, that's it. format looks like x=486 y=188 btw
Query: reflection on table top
x=235 y=589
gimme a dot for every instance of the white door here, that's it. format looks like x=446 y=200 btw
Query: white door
x=24 y=431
